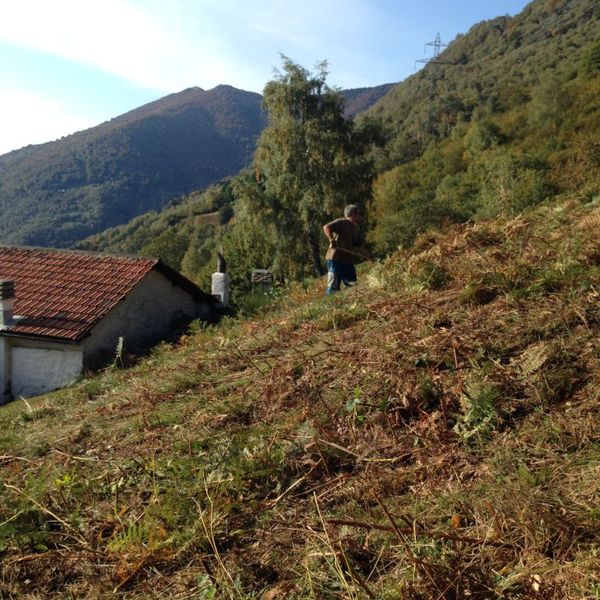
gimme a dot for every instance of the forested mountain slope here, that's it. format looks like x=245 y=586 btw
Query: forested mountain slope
x=508 y=115
x=183 y=234
x=495 y=66
x=359 y=100
x=57 y=193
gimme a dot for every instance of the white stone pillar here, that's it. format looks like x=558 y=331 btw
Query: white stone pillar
x=220 y=287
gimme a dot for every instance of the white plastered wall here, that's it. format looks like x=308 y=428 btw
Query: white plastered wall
x=5 y=391
x=34 y=367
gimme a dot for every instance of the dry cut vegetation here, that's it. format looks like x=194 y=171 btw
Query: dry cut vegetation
x=433 y=433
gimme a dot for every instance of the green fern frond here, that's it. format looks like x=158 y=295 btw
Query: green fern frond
x=305 y=432
x=533 y=358
x=591 y=221
x=135 y=535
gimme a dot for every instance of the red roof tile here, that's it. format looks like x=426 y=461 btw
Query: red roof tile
x=61 y=294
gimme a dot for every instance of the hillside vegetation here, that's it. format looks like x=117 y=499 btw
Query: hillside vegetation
x=508 y=116
x=183 y=235
x=310 y=161
x=359 y=100
x=58 y=193
x=432 y=433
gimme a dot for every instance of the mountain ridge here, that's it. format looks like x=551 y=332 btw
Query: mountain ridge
x=56 y=193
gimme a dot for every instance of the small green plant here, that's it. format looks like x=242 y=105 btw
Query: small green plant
x=340 y=318
x=355 y=407
x=478 y=293
x=479 y=411
x=258 y=300
x=433 y=276
x=35 y=413
x=134 y=536
x=207 y=589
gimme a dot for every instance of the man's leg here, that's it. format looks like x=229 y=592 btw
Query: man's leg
x=348 y=274
x=333 y=278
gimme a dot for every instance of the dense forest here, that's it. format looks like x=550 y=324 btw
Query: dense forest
x=505 y=118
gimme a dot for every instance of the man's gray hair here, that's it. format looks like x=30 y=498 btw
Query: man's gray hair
x=351 y=209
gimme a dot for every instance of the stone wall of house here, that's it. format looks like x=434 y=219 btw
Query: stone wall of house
x=148 y=314
x=5 y=388
x=31 y=367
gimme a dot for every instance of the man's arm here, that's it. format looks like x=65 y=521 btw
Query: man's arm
x=358 y=246
x=327 y=231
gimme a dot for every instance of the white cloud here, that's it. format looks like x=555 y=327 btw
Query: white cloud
x=167 y=46
x=39 y=120
x=145 y=46
x=164 y=47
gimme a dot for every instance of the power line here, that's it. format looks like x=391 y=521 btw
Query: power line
x=437 y=45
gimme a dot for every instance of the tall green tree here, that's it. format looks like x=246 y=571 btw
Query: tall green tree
x=310 y=162
x=169 y=246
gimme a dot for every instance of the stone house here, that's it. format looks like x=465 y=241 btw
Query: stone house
x=63 y=312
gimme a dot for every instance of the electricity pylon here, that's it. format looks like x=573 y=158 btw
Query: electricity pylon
x=437 y=45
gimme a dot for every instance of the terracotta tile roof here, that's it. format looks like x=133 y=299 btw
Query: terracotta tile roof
x=62 y=294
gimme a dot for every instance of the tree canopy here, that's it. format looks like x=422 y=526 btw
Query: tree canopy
x=310 y=162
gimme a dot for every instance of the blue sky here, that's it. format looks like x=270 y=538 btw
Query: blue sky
x=71 y=64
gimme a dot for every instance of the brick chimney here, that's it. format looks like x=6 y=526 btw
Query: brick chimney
x=7 y=296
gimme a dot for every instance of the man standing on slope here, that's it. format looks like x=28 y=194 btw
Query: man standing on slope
x=344 y=249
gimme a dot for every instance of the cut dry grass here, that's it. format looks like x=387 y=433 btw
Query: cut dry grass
x=411 y=438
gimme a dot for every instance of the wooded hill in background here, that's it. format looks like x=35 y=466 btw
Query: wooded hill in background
x=507 y=117
x=184 y=235
x=359 y=100
x=57 y=193
x=60 y=192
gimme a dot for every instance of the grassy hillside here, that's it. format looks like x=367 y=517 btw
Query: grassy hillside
x=432 y=433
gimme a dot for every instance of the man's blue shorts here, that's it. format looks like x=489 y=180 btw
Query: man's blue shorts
x=337 y=273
